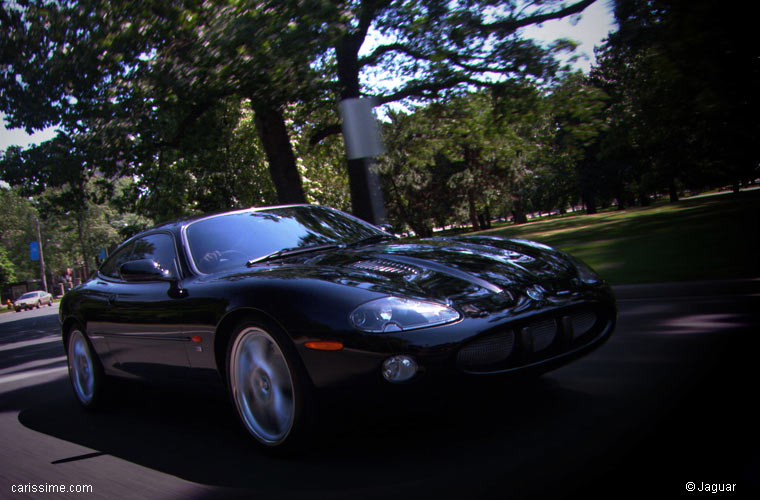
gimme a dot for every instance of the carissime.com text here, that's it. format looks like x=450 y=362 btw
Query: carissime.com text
x=51 y=488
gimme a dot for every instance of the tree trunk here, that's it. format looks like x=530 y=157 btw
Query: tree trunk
x=367 y=201
x=270 y=124
x=82 y=245
x=590 y=203
x=518 y=212
x=473 y=211
x=644 y=200
x=422 y=230
x=366 y=196
x=621 y=201
x=673 y=191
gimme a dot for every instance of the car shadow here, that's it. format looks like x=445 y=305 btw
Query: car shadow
x=196 y=437
x=20 y=328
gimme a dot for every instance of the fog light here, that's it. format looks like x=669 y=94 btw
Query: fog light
x=399 y=368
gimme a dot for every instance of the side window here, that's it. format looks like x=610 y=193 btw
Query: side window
x=111 y=266
x=158 y=247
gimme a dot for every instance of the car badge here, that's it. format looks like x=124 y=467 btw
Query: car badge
x=536 y=292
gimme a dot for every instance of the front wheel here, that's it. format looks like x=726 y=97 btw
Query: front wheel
x=85 y=372
x=267 y=385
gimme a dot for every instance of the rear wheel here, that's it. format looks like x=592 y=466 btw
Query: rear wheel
x=267 y=385
x=85 y=371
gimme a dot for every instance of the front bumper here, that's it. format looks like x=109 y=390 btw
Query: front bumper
x=535 y=341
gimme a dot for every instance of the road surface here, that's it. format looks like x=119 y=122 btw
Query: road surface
x=668 y=403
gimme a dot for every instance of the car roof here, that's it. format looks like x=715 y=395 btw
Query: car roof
x=177 y=224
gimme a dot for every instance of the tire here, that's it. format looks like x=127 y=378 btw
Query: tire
x=85 y=370
x=268 y=386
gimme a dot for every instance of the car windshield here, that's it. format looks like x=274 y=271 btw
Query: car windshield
x=229 y=240
x=29 y=295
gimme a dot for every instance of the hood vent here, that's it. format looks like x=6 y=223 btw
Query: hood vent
x=384 y=266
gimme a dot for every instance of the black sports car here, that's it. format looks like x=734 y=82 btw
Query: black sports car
x=277 y=302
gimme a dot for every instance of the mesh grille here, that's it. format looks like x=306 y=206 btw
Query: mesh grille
x=487 y=350
x=582 y=323
x=543 y=334
x=384 y=266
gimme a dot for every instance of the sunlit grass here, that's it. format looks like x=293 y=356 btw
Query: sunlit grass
x=703 y=238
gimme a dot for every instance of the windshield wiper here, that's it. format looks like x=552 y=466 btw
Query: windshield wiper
x=375 y=238
x=286 y=252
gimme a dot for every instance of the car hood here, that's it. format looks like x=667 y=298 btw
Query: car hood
x=491 y=272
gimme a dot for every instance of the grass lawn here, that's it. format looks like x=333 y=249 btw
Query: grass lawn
x=702 y=238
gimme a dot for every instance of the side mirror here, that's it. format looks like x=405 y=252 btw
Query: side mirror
x=143 y=270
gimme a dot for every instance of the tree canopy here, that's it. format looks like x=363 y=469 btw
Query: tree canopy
x=171 y=108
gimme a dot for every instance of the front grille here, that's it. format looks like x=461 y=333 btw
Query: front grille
x=582 y=323
x=487 y=350
x=531 y=342
x=542 y=334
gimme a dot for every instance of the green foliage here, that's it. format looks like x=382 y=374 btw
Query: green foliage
x=682 y=77
x=458 y=151
x=224 y=169
x=16 y=231
x=153 y=84
x=72 y=235
x=7 y=270
x=517 y=149
x=172 y=108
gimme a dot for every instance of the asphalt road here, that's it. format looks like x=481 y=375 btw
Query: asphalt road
x=670 y=399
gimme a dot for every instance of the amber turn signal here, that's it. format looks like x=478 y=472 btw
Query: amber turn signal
x=324 y=345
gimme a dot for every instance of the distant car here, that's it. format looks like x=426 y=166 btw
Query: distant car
x=274 y=304
x=30 y=300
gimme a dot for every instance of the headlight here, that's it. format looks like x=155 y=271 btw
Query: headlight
x=393 y=314
x=585 y=273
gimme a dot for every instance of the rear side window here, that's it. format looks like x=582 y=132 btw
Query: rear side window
x=111 y=266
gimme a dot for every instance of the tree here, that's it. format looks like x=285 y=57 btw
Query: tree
x=416 y=173
x=76 y=203
x=681 y=76
x=16 y=217
x=142 y=77
x=575 y=110
x=437 y=46
x=455 y=160
x=7 y=270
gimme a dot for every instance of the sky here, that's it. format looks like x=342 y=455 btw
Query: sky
x=18 y=137
x=595 y=23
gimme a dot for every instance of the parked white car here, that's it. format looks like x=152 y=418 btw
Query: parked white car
x=33 y=299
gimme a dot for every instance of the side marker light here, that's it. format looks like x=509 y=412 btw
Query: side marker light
x=323 y=345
